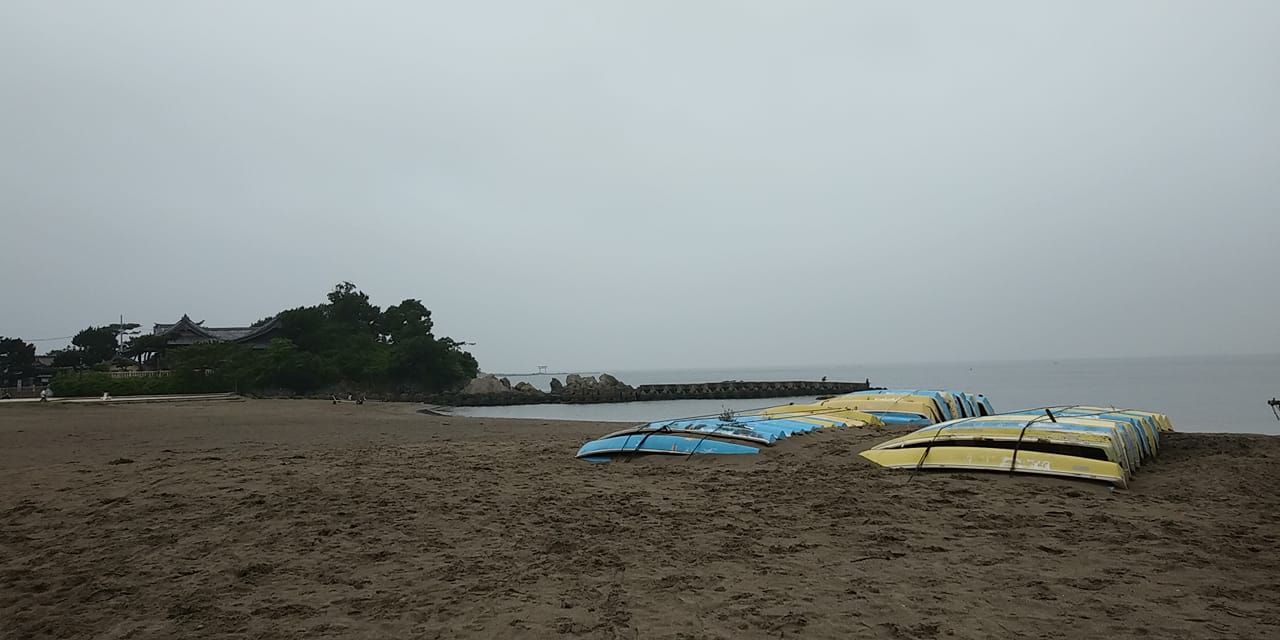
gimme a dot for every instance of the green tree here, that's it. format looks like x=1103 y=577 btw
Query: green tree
x=67 y=357
x=424 y=363
x=350 y=306
x=96 y=344
x=222 y=365
x=147 y=349
x=17 y=360
x=284 y=366
x=408 y=319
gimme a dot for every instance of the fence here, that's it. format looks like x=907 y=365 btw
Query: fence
x=26 y=391
x=137 y=374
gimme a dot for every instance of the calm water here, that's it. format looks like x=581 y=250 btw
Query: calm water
x=1220 y=394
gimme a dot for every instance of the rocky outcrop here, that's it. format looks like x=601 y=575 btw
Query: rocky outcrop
x=487 y=384
x=587 y=389
x=556 y=385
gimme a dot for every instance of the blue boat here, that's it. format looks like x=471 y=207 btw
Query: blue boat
x=902 y=419
x=607 y=448
x=700 y=428
x=984 y=405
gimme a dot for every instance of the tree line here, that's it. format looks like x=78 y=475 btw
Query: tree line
x=343 y=342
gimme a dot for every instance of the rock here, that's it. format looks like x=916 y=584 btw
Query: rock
x=486 y=384
x=505 y=382
x=525 y=387
x=609 y=381
x=556 y=386
x=575 y=380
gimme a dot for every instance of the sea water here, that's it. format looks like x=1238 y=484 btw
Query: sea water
x=1202 y=393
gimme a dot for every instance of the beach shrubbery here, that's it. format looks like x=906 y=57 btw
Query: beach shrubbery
x=94 y=383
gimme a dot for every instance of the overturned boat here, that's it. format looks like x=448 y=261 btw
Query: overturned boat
x=1094 y=443
x=914 y=407
x=746 y=433
x=723 y=434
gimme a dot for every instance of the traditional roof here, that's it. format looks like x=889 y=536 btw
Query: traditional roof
x=218 y=334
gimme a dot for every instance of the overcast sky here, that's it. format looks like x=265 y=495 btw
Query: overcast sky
x=655 y=184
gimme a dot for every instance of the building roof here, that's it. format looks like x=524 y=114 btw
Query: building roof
x=220 y=334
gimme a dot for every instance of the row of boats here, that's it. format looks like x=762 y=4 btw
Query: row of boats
x=956 y=430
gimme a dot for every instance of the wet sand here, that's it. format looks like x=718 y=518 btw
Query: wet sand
x=302 y=519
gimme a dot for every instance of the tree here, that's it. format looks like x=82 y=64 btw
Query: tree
x=408 y=319
x=350 y=306
x=96 y=344
x=146 y=348
x=425 y=363
x=224 y=365
x=17 y=360
x=284 y=366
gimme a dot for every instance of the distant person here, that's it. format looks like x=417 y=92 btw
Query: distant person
x=824 y=378
x=44 y=394
x=334 y=397
x=106 y=395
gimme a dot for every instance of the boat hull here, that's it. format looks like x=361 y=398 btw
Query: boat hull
x=989 y=459
x=658 y=443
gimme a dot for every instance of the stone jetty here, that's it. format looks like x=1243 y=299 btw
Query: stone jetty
x=578 y=389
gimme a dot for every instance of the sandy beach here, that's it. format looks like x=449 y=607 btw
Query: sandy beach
x=302 y=519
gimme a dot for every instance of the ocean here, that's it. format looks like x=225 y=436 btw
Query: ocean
x=1225 y=394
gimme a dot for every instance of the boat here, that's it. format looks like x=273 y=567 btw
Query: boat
x=1087 y=442
x=1149 y=425
x=1129 y=438
x=712 y=434
x=900 y=409
x=948 y=406
x=997 y=459
x=605 y=449
x=1081 y=437
x=1080 y=441
x=819 y=413
x=745 y=433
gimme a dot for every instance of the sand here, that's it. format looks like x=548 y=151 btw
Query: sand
x=302 y=519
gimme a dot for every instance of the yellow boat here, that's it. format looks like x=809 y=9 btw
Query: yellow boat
x=1128 y=439
x=1101 y=443
x=820 y=414
x=890 y=406
x=1143 y=429
x=999 y=459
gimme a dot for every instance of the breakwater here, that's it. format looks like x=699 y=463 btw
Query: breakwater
x=493 y=391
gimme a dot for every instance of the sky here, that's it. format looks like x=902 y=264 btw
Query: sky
x=592 y=185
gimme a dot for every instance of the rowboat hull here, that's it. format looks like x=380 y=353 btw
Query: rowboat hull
x=990 y=459
x=606 y=449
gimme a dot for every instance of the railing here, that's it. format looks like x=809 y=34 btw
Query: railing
x=137 y=374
